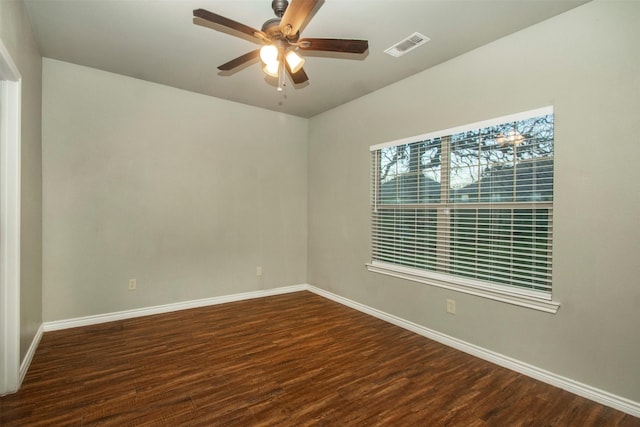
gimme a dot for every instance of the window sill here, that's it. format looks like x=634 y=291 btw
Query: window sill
x=540 y=301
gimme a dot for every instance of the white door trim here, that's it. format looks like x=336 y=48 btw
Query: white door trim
x=10 y=107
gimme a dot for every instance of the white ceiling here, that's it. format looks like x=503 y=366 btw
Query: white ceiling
x=157 y=41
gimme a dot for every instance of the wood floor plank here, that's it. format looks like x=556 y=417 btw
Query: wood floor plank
x=288 y=360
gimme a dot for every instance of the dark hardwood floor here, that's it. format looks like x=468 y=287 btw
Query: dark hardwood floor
x=290 y=360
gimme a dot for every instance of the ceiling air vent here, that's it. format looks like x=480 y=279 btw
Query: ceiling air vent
x=407 y=45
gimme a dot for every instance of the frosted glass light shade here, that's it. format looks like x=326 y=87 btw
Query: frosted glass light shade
x=269 y=54
x=271 y=69
x=295 y=61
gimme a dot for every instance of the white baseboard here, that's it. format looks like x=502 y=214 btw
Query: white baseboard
x=608 y=399
x=584 y=390
x=26 y=362
x=166 y=308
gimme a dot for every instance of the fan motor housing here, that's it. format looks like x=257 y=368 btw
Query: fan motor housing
x=272 y=29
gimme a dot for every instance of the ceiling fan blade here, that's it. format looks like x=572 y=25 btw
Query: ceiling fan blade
x=295 y=15
x=239 y=60
x=211 y=17
x=334 y=45
x=299 y=77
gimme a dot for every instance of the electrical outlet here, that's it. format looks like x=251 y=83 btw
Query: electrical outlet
x=132 y=284
x=451 y=306
x=258 y=271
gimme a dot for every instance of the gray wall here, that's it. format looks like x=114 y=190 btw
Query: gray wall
x=16 y=35
x=188 y=194
x=586 y=63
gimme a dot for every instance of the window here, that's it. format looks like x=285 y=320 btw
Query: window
x=469 y=209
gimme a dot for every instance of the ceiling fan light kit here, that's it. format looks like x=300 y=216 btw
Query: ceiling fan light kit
x=281 y=40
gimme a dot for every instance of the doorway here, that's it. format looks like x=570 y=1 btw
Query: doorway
x=10 y=89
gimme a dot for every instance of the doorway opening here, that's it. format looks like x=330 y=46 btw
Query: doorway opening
x=10 y=90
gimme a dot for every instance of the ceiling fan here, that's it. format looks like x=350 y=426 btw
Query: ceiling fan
x=281 y=40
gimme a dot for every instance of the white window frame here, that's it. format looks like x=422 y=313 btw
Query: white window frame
x=523 y=297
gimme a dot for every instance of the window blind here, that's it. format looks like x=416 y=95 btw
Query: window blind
x=474 y=202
